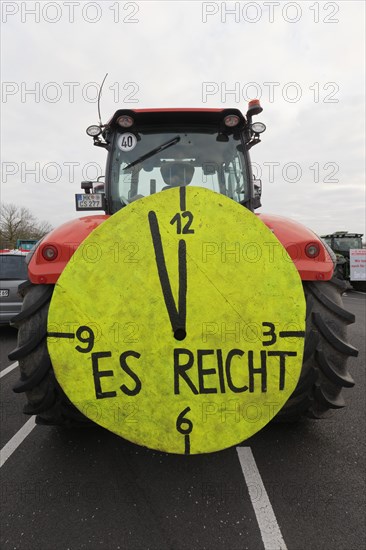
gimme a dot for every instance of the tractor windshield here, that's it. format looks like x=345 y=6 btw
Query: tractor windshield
x=346 y=243
x=159 y=159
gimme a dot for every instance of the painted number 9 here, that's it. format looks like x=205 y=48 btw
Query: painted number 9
x=85 y=335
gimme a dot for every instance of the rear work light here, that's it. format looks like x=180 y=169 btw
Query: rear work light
x=93 y=130
x=312 y=250
x=231 y=120
x=49 y=252
x=258 y=127
x=125 y=121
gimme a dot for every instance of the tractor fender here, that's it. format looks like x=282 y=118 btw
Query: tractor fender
x=295 y=238
x=65 y=239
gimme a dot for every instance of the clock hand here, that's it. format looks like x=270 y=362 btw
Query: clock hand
x=182 y=291
x=177 y=316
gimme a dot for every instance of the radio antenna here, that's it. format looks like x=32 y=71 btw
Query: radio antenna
x=100 y=93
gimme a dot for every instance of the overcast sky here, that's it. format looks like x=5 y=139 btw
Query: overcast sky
x=305 y=60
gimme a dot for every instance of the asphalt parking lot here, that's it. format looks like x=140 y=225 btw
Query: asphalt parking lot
x=90 y=489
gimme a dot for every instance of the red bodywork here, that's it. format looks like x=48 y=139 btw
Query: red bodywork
x=66 y=238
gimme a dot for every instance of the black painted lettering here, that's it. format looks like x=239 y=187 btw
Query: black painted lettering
x=204 y=372
x=97 y=374
x=177 y=219
x=282 y=355
x=271 y=333
x=187 y=228
x=180 y=369
x=220 y=368
x=127 y=370
x=184 y=426
x=262 y=371
x=85 y=335
x=230 y=383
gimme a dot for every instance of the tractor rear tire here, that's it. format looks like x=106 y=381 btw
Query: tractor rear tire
x=324 y=371
x=45 y=397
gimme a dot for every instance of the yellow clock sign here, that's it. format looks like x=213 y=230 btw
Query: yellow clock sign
x=179 y=323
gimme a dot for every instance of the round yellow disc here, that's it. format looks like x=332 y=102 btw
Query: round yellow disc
x=179 y=323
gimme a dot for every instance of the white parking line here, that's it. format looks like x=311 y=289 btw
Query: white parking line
x=270 y=531
x=9 y=369
x=16 y=440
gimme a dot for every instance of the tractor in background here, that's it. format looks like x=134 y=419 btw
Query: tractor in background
x=342 y=242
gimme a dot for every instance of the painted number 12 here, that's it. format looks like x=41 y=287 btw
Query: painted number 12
x=185 y=218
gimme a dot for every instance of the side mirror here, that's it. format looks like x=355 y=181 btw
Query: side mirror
x=257 y=187
x=99 y=188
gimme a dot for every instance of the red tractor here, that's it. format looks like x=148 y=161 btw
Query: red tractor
x=179 y=269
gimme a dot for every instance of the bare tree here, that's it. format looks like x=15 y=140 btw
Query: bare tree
x=17 y=222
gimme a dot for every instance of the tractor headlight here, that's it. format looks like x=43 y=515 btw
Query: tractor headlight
x=231 y=120
x=125 y=121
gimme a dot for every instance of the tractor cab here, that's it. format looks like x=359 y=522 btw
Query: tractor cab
x=341 y=242
x=153 y=150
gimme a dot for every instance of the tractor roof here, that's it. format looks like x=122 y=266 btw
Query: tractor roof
x=341 y=234
x=176 y=116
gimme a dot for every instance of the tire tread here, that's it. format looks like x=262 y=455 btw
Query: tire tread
x=324 y=372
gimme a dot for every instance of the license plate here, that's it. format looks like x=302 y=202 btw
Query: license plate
x=90 y=201
x=4 y=293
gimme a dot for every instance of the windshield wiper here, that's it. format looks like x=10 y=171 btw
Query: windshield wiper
x=153 y=152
